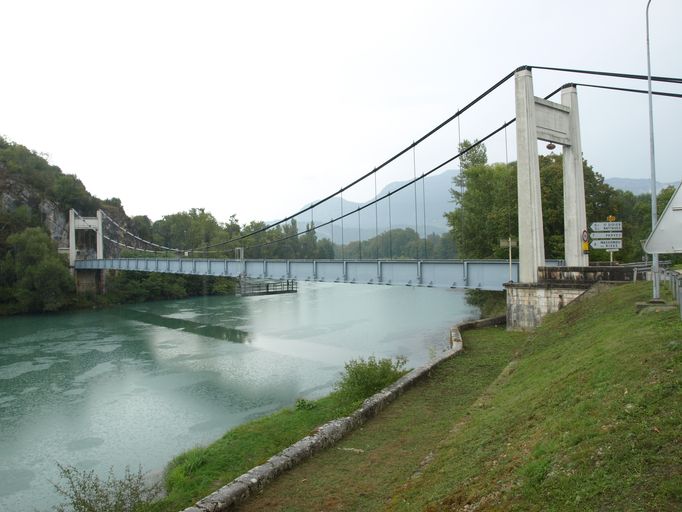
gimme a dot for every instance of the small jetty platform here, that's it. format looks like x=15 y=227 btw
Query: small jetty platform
x=248 y=287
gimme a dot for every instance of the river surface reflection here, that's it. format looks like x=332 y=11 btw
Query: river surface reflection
x=140 y=383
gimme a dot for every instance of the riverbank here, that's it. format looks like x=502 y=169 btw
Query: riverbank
x=584 y=414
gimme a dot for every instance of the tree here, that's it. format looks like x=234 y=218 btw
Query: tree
x=486 y=196
x=36 y=274
x=475 y=157
x=486 y=210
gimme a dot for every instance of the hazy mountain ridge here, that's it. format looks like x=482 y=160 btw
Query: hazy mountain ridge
x=637 y=185
x=402 y=210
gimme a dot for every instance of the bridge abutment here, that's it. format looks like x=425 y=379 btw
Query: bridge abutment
x=529 y=303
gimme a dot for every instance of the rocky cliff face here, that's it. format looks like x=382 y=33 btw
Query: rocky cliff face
x=14 y=194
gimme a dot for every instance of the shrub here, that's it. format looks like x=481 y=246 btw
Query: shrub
x=362 y=378
x=86 y=492
x=305 y=405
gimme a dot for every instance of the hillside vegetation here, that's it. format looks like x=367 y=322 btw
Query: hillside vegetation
x=584 y=414
x=589 y=417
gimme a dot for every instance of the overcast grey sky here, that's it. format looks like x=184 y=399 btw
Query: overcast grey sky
x=257 y=108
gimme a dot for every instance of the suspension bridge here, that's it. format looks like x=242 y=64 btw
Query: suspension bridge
x=537 y=118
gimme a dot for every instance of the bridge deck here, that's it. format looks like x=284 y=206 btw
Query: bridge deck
x=479 y=274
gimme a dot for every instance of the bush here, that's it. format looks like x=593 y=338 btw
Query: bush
x=86 y=492
x=362 y=378
x=305 y=405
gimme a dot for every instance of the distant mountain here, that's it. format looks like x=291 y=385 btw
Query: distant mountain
x=637 y=186
x=402 y=211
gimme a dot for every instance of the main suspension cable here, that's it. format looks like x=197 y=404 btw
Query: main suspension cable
x=365 y=176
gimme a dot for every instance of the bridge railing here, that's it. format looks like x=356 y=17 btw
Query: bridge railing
x=479 y=274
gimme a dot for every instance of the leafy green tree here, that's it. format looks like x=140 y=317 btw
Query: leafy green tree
x=475 y=157
x=38 y=276
x=486 y=210
x=486 y=196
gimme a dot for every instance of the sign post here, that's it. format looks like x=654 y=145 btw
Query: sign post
x=607 y=235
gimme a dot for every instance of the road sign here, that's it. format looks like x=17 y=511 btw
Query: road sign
x=613 y=235
x=606 y=226
x=606 y=244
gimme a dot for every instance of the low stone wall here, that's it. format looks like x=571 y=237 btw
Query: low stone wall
x=231 y=495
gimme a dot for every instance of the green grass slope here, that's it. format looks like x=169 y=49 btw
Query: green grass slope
x=587 y=417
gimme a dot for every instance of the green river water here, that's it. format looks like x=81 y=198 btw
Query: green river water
x=141 y=383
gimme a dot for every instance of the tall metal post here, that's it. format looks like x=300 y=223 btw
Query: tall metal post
x=652 y=155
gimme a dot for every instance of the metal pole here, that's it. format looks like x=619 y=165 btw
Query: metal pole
x=510 y=259
x=654 y=213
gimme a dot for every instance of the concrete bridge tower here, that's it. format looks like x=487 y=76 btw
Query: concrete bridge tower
x=87 y=280
x=540 y=119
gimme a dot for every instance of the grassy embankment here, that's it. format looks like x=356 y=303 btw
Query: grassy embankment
x=584 y=414
x=198 y=472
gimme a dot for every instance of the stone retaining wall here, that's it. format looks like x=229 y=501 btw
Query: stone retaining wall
x=231 y=495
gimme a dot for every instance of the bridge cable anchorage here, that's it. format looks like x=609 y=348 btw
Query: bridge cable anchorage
x=370 y=173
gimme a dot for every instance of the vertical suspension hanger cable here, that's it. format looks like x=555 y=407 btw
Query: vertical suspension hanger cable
x=359 y=235
x=390 y=229
x=509 y=202
x=333 y=251
x=461 y=188
x=342 y=225
x=424 y=213
x=376 y=215
x=506 y=159
x=414 y=172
